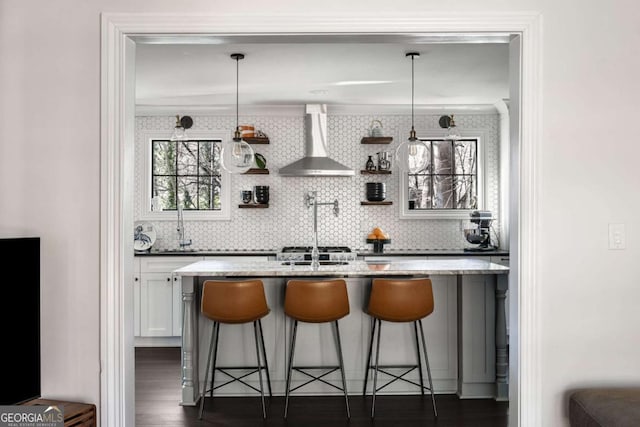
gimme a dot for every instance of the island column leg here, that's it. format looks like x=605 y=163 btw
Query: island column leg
x=502 y=362
x=190 y=385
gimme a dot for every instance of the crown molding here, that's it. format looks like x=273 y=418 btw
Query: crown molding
x=298 y=110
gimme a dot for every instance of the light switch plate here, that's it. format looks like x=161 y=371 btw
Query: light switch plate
x=617 y=238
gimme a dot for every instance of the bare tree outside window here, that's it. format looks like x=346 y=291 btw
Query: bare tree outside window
x=449 y=177
x=186 y=172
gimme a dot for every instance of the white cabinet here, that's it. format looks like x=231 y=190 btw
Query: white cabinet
x=156 y=305
x=158 y=297
x=136 y=297
x=158 y=300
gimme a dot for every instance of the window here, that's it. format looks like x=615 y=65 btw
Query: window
x=447 y=182
x=188 y=174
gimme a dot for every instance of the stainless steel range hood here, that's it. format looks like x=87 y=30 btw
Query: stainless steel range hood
x=315 y=161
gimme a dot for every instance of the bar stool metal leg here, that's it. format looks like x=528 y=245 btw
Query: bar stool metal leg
x=290 y=367
x=375 y=373
x=426 y=358
x=368 y=367
x=206 y=372
x=215 y=357
x=264 y=357
x=344 y=381
x=415 y=330
x=255 y=335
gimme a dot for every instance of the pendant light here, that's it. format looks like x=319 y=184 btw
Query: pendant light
x=410 y=153
x=237 y=155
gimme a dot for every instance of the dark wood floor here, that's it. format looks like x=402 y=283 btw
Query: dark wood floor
x=158 y=394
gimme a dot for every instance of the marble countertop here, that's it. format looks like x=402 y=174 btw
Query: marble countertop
x=352 y=269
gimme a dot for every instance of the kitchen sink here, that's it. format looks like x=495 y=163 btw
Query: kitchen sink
x=309 y=263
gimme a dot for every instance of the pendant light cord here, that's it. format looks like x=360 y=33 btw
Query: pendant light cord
x=412 y=135
x=237 y=89
x=412 y=83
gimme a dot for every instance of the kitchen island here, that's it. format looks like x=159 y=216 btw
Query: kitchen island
x=466 y=362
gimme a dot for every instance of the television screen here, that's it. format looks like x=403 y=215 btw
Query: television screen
x=20 y=258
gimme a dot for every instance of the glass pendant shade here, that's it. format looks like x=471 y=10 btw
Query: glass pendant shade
x=452 y=133
x=179 y=133
x=237 y=156
x=411 y=156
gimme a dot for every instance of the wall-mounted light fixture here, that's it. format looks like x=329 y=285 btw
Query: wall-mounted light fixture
x=452 y=133
x=237 y=155
x=410 y=153
x=179 y=131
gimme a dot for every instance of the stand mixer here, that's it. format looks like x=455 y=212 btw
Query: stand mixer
x=481 y=235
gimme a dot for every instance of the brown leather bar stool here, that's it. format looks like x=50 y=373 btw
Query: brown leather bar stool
x=316 y=301
x=235 y=302
x=399 y=300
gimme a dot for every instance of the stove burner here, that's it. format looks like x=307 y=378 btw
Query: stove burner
x=307 y=249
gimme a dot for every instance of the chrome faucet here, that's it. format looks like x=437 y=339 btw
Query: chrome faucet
x=182 y=242
x=310 y=199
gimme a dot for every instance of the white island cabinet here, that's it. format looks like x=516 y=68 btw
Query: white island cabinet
x=397 y=346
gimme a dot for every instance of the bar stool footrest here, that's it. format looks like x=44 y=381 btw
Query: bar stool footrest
x=254 y=370
x=396 y=377
x=329 y=370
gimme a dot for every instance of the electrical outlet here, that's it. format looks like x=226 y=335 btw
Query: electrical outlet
x=617 y=238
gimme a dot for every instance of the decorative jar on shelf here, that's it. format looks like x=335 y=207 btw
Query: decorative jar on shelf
x=370 y=166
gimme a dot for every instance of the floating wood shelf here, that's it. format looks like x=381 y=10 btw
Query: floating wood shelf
x=383 y=203
x=376 y=140
x=254 y=206
x=257 y=171
x=376 y=172
x=256 y=140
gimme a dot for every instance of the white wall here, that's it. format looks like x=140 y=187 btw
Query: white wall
x=49 y=175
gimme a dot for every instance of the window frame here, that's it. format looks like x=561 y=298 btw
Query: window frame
x=403 y=184
x=223 y=214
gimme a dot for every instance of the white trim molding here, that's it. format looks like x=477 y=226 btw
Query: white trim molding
x=117 y=113
x=299 y=109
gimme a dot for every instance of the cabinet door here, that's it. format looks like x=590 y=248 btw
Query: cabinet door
x=136 y=305
x=136 y=297
x=156 y=305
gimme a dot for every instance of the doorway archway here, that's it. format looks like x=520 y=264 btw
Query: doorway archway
x=118 y=112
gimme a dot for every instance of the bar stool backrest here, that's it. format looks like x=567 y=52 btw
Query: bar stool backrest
x=316 y=301
x=401 y=300
x=234 y=301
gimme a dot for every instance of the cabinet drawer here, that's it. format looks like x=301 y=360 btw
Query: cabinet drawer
x=164 y=264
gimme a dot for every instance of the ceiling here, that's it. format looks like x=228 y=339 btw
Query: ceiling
x=333 y=70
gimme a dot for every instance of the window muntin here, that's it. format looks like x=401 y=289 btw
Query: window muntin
x=446 y=177
x=188 y=173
